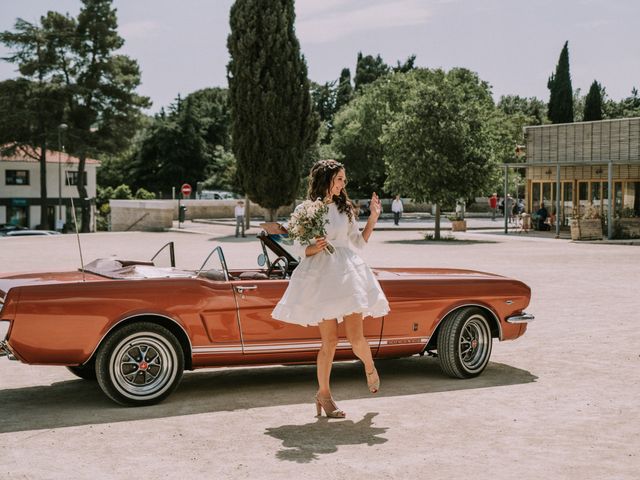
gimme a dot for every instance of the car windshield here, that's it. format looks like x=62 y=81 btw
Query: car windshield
x=283 y=240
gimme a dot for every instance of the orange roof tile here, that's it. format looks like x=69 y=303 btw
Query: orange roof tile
x=52 y=157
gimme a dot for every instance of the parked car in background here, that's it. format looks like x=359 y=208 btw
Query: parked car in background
x=9 y=227
x=31 y=233
x=218 y=195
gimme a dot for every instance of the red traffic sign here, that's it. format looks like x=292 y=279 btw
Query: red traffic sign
x=185 y=189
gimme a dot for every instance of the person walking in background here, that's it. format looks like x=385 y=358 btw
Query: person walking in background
x=493 y=205
x=508 y=207
x=239 y=214
x=397 y=209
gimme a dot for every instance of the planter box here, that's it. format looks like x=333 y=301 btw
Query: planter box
x=628 y=227
x=586 y=229
x=459 y=226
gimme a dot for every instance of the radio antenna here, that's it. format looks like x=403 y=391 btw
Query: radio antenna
x=75 y=221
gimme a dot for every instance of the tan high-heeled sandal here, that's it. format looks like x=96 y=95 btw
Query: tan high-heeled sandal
x=330 y=408
x=374 y=385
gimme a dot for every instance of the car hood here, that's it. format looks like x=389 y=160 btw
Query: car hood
x=433 y=273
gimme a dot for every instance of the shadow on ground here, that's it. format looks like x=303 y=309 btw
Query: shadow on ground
x=233 y=239
x=304 y=443
x=81 y=402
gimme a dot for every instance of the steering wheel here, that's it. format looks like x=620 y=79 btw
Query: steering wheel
x=282 y=264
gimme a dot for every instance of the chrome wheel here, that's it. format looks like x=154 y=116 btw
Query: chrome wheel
x=475 y=341
x=140 y=364
x=464 y=342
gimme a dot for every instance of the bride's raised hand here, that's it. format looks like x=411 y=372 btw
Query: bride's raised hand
x=375 y=206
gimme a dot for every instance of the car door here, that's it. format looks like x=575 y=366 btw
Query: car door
x=219 y=341
x=268 y=340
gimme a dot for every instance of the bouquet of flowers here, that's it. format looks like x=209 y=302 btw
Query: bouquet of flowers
x=308 y=221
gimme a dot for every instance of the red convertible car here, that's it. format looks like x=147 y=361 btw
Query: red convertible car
x=135 y=326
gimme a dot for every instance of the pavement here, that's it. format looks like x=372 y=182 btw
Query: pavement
x=560 y=403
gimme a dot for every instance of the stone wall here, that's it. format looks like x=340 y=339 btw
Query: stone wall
x=142 y=215
x=158 y=215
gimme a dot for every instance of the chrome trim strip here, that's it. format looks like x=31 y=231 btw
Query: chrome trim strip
x=524 y=317
x=289 y=347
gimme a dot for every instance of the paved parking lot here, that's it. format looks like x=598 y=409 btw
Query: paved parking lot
x=559 y=403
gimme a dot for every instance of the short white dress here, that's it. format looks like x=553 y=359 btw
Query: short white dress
x=325 y=286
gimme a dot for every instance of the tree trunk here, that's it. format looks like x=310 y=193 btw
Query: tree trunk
x=436 y=233
x=273 y=214
x=44 y=211
x=82 y=194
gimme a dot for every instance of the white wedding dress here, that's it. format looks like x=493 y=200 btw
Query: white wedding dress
x=326 y=286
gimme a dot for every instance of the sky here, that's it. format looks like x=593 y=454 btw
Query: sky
x=514 y=45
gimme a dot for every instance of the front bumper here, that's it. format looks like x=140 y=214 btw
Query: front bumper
x=5 y=351
x=522 y=318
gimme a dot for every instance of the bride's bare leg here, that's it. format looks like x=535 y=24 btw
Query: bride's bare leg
x=329 y=335
x=361 y=348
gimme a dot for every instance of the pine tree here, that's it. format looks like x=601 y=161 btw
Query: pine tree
x=272 y=120
x=593 y=103
x=345 y=90
x=561 y=92
x=369 y=69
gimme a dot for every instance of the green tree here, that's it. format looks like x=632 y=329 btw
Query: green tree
x=406 y=66
x=32 y=105
x=561 y=92
x=625 y=108
x=357 y=130
x=175 y=149
x=369 y=69
x=440 y=146
x=531 y=107
x=273 y=124
x=593 y=103
x=344 y=91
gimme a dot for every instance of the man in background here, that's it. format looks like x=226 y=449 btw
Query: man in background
x=397 y=209
x=493 y=205
x=239 y=214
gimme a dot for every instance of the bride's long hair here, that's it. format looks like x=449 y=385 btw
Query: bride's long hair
x=320 y=180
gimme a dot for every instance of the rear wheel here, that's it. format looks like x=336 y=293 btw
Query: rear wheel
x=464 y=343
x=140 y=364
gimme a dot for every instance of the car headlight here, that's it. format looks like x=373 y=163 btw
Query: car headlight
x=4 y=328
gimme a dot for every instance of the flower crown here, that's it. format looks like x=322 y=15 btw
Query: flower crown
x=329 y=164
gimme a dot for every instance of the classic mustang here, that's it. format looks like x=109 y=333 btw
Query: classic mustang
x=135 y=326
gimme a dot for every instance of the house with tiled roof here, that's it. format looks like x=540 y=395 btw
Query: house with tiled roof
x=20 y=202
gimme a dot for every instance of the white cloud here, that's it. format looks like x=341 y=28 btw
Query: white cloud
x=141 y=29
x=333 y=19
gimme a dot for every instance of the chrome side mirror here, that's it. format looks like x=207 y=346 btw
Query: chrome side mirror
x=262 y=260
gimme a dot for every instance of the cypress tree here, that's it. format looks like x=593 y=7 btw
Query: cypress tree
x=593 y=103
x=561 y=92
x=345 y=90
x=272 y=122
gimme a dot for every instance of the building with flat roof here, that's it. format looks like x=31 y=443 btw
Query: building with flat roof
x=20 y=202
x=572 y=165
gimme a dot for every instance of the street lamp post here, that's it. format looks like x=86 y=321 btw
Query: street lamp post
x=61 y=128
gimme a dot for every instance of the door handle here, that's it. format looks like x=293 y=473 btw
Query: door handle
x=242 y=288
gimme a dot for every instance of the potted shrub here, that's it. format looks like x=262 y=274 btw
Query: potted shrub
x=586 y=225
x=627 y=224
x=458 y=224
